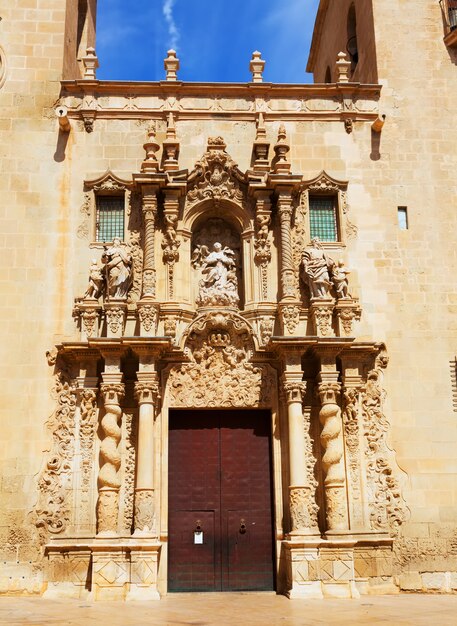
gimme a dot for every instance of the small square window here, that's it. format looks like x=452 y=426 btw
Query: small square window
x=323 y=217
x=110 y=218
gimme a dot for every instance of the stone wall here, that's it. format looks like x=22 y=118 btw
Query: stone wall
x=405 y=279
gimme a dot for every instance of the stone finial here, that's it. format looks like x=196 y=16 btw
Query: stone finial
x=90 y=62
x=342 y=68
x=281 y=165
x=261 y=146
x=170 y=146
x=171 y=65
x=151 y=164
x=256 y=67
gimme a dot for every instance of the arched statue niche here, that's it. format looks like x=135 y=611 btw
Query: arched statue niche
x=216 y=259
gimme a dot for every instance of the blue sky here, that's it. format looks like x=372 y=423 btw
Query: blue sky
x=214 y=38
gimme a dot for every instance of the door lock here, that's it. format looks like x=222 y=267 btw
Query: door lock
x=198 y=526
x=242 y=526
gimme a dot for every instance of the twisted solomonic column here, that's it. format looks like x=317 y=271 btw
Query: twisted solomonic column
x=149 y=217
x=109 y=481
x=333 y=461
x=147 y=394
x=287 y=272
x=302 y=503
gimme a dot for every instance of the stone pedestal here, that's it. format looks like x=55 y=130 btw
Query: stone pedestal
x=347 y=312
x=110 y=572
x=340 y=568
x=321 y=311
x=115 y=312
x=89 y=311
x=148 y=315
x=144 y=563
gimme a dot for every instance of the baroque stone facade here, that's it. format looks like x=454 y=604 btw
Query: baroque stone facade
x=221 y=291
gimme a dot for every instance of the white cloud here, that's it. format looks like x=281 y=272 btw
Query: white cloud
x=173 y=32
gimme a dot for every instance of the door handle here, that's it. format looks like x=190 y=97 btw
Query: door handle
x=242 y=526
x=198 y=526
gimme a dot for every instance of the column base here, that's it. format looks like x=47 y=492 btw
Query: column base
x=87 y=568
x=344 y=566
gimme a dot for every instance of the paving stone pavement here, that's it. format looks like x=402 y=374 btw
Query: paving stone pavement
x=243 y=609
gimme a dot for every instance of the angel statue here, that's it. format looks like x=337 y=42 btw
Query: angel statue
x=219 y=285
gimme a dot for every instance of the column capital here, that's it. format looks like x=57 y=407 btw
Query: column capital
x=112 y=392
x=147 y=391
x=294 y=390
x=329 y=392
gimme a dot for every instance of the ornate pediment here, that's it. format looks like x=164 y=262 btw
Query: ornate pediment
x=216 y=176
x=324 y=183
x=219 y=373
x=108 y=182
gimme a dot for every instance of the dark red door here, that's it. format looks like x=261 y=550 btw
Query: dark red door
x=220 y=503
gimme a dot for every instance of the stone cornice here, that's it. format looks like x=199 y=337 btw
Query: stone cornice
x=242 y=101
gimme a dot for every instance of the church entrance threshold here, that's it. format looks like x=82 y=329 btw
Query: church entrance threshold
x=220 y=501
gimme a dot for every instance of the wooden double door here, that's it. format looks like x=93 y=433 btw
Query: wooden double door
x=220 y=501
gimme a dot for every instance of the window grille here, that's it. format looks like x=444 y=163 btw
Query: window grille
x=323 y=219
x=110 y=218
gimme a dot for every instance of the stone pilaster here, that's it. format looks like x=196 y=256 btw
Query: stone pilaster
x=170 y=244
x=149 y=218
x=86 y=392
x=109 y=481
x=303 y=508
x=352 y=428
x=147 y=393
x=262 y=244
x=288 y=286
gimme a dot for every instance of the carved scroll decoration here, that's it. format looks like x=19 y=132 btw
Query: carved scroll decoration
x=128 y=482
x=219 y=374
x=136 y=252
x=386 y=505
x=53 y=513
x=352 y=439
x=87 y=431
x=215 y=177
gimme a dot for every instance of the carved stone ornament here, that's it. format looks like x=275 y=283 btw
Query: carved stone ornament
x=169 y=326
x=147 y=392
x=332 y=460
x=109 y=477
x=351 y=423
x=346 y=316
x=290 y=316
x=303 y=507
x=387 y=508
x=115 y=318
x=87 y=428
x=266 y=326
x=219 y=374
x=216 y=260
x=108 y=182
x=89 y=320
x=128 y=482
x=170 y=244
x=148 y=317
x=322 y=317
x=136 y=254
x=52 y=512
x=215 y=177
x=144 y=510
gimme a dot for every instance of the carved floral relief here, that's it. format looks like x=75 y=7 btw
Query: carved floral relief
x=219 y=373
